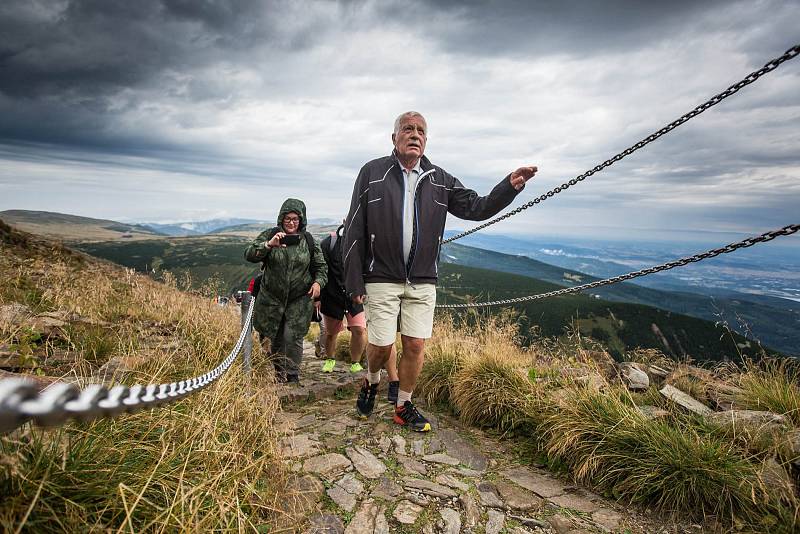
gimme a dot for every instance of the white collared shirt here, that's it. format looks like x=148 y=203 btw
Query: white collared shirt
x=411 y=178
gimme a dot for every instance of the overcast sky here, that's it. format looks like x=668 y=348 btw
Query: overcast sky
x=176 y=110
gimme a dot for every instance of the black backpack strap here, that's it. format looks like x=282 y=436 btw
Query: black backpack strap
x=310 y=245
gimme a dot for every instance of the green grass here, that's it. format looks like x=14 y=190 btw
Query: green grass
x=205 y=463
x=675 y=464
x=772 y=385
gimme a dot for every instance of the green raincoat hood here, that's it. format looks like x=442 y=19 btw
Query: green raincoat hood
x=295 y=205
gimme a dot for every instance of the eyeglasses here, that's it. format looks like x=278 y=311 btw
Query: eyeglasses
x=294 y=220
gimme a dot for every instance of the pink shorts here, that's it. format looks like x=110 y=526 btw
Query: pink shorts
x=334 y=326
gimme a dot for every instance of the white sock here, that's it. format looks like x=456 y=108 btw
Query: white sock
x=373 y=378
x=402 y=397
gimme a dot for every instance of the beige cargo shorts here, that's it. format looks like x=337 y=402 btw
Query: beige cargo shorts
x=413 y=303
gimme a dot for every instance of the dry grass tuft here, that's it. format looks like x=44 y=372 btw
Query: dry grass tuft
x=593 y=428
x=206 y=463
x=608 y=443
x=493 y=390
x=771 y=385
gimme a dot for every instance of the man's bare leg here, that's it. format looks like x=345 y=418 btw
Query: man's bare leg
x=377 y=358
x=410 y=364
x=330 y=344
x=405 y=413
x=358 y=341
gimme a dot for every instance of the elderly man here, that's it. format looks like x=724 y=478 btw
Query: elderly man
x=393 y=234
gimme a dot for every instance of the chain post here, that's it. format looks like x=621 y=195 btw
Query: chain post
x=247 y=348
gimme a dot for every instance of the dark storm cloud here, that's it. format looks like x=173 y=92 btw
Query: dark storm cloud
x=69 y=70
x=587 y=27
x=90 y=48
x=264 y=94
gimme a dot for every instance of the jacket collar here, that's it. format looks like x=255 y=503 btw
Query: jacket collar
x=424 y=163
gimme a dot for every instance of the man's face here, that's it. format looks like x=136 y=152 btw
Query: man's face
x=410 y=140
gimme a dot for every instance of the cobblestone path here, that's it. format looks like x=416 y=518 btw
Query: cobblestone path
x=358 y=476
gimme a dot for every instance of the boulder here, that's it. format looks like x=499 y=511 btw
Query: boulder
x=365 y=462
x=656 y=373
x=15 y=360
x=591 y=380
x=634 y=377
x=776 y=479
x=407 y=512
x=49 y=324
x=751 y=420
x=793 y=445
x=684 y=400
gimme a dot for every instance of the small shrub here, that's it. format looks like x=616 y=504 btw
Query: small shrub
x=493 y=390
x=610 y=444
x=771 y=385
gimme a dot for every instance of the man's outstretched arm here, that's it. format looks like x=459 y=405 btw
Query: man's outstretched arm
x=467 y=204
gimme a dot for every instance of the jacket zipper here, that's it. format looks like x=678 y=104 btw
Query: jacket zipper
x=372 y=251
x=415 y=237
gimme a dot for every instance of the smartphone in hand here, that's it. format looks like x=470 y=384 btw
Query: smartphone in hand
x=290 y=239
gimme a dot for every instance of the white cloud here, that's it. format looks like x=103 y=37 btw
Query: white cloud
x=290 y=99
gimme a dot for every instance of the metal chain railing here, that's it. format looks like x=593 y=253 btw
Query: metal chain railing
x=750 y=78
x=749 y=242
x=20 y=400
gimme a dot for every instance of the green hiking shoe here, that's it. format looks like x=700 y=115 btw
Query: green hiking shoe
x=356 y=367
x=328 y=366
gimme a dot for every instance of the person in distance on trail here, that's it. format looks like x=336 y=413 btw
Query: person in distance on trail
x=335 y=306
x=392 y=238
x=294 y=272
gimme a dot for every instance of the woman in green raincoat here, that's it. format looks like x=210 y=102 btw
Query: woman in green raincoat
x=294 y=273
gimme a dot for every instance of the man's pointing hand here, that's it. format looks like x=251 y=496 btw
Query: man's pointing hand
x=522 y=175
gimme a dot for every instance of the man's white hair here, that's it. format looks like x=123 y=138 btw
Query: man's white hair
x=408 y=115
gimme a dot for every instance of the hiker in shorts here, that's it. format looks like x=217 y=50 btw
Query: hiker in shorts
x=392 y=239
x=335 y=307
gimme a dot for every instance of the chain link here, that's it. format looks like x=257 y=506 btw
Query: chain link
x=21 y=401
x=750 y=78
x=749 y=242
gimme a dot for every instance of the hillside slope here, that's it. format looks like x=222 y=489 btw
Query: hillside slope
x=621 y=327
x=73 y=228
x=775 y=326
x=65 y=315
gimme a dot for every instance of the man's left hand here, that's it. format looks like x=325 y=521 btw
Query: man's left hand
x=522 y=175
x=314 y=291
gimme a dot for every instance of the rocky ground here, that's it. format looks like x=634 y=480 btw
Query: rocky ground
x=370 y=476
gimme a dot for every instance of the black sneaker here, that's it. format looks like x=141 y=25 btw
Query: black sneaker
x=408 y=415
x=366 y=398
x=394 y=387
